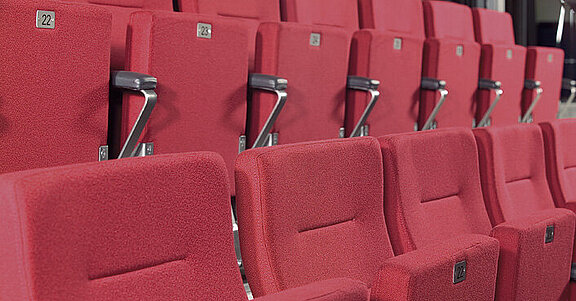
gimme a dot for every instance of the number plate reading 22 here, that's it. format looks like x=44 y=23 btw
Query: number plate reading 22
x=45 y=19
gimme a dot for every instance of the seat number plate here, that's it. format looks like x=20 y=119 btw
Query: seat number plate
x=459 y=272
x=45 y=19
x=459 y=50
x=204 y=31
x=315 y=39
x=397 y=43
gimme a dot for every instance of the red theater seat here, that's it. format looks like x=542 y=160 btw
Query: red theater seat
x=202 y=82
x=341 y=13
x=155 y=228
x=433 y=192
x=559 y=146
x=313 y=211
x=54 y=83
x=313 y=59
x=501 y=61
x=121 y=10
x=451 y=54
x=544 y=65
x=513 y=171
x=388 y=49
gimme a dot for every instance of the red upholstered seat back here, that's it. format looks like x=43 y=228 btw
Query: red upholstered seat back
x=311 y=211
x=561 y=160
x=155 y=228
x=200 y=107
x=513 y=171
x=544 y=64
x=389 y=49
x=256 y=11
x=261 y=10
x=341 y=13
x=432 y=188
x=450 y=54
x=316 y=80
x=54 y=83
x=121 y=10
x=501 y=61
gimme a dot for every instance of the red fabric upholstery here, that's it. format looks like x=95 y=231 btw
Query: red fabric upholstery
x=513 y=171
x=502 y=61
x=154 y=228
x=311 y=211
x=529 y=268
x=442 y=61
x=255 y=11
x=121 y=10
x=559 y=146
x=544 y=64
x=426 y=274
x=432 y=180
x=344 y=13
x=429 y=184
x=316 y=81
x=54 y=83
x=261 y=10
x=199 y=106
x=341 y=289
x=374 y=55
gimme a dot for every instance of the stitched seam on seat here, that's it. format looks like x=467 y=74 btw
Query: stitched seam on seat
x=440 y=198
x=327 y=225
x=519 y=179
x=135 y=269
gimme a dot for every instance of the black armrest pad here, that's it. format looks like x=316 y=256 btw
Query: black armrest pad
x=433 y=84
x=267 y=82
x=489 y=84
x=362 y=83
x=132 y=80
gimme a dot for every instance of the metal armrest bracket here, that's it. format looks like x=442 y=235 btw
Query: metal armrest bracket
x=568 y=84
x=435 y=85
x=370 y=86
x=273 y=84
x=496 y=86
x=532 y=85
x=144 y=84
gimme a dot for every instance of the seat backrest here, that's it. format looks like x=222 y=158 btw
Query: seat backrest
x=155 y=228
x=450 y=54
x=559 y=146
x=502 y=61
x=340 y=13
x=513 y=171
x=121 y=10
x=311 y=211
x=202 y=82
x=54 y=83
x=253 y=11
x=432 y=188
x=546 y=65
x=316 y=74
x=389 y=49
x=261 y=10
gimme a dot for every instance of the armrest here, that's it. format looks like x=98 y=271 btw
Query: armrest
x=340 y=289
x=274 y=84
x=535 y=253
x=368 y=85
x=463 y=268
x=145 y=84
x=434 y=85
